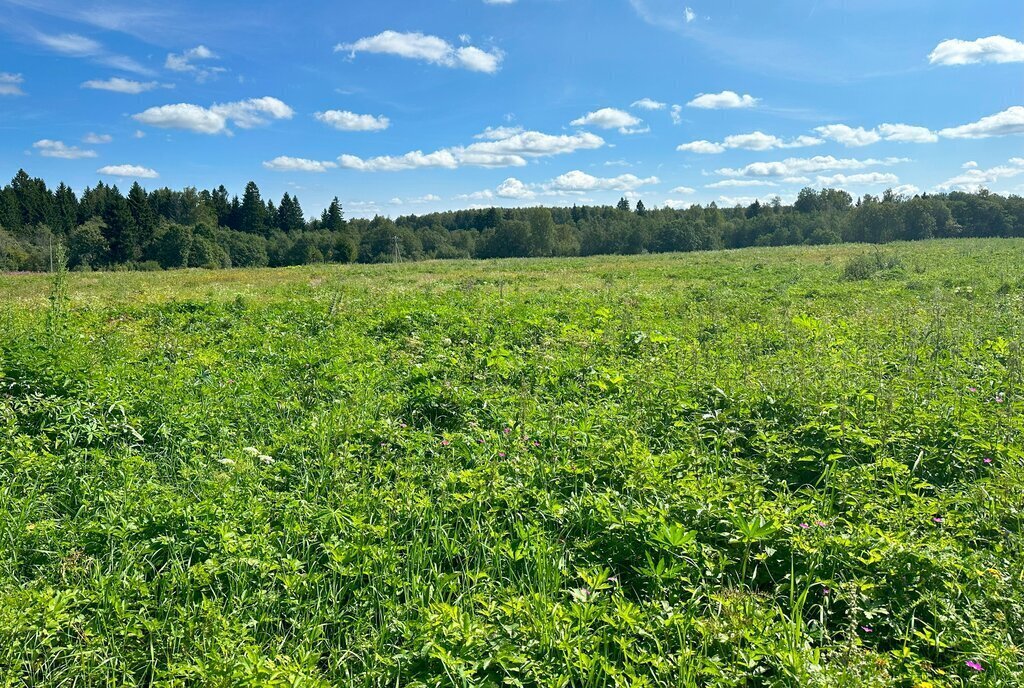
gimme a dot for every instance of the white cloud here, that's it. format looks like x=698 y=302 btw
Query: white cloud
x=70 y=44
x=906 y=190
x=139 y=134
x=677 y=114
x=214 y=120
x=689 y=15
x=128 y=171
x=733 y=183
x=723 y=100
x=391 y=163
x=96 y=139
x=511 y=151
x=792 y=167
x=432 y=49
x=10 y=84
x=611 y=118
x=648 y=104
x=185 y=62
x=495 y=133
x=683 y=190
x=969 y=165
x=350 y=121
x=1009 y=121
x=859 y=136
x=906 y=133
x=864 y=179
x=284 y=163
x=75 y=45
x=676 y=204
x=119 y=85
x=756 y=141
x=703 y=147
x=428 y=198
x=578 y=180
x=999 y=49
x=849 y=136
x=58 y=149
x=974 y=179
x=513 y=188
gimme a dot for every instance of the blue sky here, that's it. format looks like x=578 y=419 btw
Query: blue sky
x=402 y=107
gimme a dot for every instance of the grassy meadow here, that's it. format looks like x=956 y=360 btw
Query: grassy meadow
x=765 y=467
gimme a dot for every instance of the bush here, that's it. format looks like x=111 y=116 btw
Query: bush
x=867 y=265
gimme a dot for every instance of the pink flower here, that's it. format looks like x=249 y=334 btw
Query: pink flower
x=825 y=592
x=507 y=430
x=937 y=519
x=974 y=665
x=402 y=425
x=820 y=524
x=867 y=629
x=972 y=389
x=988 y=459
x=501 y=454
x=445 y=443
x=805 y=525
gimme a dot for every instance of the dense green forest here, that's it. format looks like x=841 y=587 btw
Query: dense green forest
x=105 y=228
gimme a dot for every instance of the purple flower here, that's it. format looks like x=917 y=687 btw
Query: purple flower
x=974 y=665
x=867 y=629
x=501 y=454
x=825 y=591
x=988 y=459
x=972 y=389
x=820 y=524
x=937 y=519
x=507 y=430
x=805 y=525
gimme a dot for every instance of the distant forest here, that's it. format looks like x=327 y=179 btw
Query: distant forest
x=107 y=229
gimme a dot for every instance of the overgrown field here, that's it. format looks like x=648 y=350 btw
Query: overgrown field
x=768 y=467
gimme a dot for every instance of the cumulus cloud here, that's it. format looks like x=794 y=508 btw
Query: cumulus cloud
x=96 y=139
x=793 y=167
x=755 y=140
x=495 y=133
x=510 y=151
x=723 y=100
x=120 y=85
x=1009 y=121
x=611 y=118
x=58 y=149
x=683 y=190
x=513 y=188
x=10 y=84
x=849 y=136
x=677 y=114
x=284 y=163
x=863 y=179
x=245 y=114
x=859 y=136
x=733 y=183
x=350 y=121
x=136 y=171
x=906 y=133
x=998 y=49
x=193 y=61
x=428 y=198
x=974 y=179
x=578 y=180
x=432 y=49
x=648 y=104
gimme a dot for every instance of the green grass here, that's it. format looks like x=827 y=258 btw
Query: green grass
x=771 y=467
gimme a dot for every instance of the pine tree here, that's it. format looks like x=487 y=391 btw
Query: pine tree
x=333 y=219
x=623 y=205
x=640 y=208
x=252 y=213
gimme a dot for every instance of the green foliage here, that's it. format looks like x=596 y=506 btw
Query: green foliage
x=868 y=265
x=716 y=469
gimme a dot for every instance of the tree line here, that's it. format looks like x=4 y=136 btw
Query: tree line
x=104 y=228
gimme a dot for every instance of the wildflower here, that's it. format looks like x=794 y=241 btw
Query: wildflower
x=445 y=443
x=938 y=519
x=820 y=524
x=402 y=425
x=988 y=459
x=805 y=525
x=252 y=451
x=501 y=454
x=924 y=684
x=226 y=462
x=825 y=592
x=507 y=430
x=999 y=398
x=972 y=664
x=266 y=460
x=972 y=389
x=867 y=629
x=536 y=443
